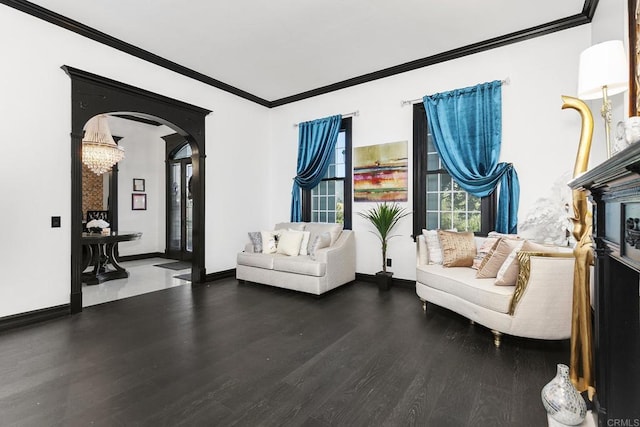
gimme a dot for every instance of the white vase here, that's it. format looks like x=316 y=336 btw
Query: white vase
x=561 y=399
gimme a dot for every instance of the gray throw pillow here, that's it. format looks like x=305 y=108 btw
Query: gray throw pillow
x=322 y=241
x=256 y=241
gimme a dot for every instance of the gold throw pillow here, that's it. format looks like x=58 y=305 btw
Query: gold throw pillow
x=458 y=249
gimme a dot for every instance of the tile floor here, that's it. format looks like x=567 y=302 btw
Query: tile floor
x=143 y=278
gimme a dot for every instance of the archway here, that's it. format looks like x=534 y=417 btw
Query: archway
x=91 y=95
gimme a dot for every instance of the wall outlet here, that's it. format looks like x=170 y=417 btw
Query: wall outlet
x=55 y=222
x=388 y=262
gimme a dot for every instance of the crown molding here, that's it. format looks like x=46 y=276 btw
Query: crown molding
x=515 y=37
x=93 y=34
x=582 y=18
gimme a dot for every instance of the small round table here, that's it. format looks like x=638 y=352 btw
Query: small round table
x=101 y=252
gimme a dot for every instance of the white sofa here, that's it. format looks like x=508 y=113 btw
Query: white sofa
x=316 y=273
x=537 y=307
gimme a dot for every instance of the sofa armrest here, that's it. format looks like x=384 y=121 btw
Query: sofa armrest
x=548 y=273
x=340 y=257
x=545 y=278
x=340 y=247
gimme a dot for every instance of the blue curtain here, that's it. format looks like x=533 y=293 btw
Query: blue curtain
x=466 y=125
x=316 y=145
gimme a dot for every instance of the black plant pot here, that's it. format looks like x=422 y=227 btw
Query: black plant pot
x=384 y=280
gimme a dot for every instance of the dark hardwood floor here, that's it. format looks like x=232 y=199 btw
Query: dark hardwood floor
x=227 y=354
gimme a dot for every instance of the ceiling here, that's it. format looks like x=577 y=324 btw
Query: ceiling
x=277 y=51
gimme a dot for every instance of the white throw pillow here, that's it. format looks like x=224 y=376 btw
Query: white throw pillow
x=433 y=246
x=270 y=241
x=289 y=242
x=304 y=250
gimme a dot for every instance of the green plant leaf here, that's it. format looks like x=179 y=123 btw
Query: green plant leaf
x=384 y=217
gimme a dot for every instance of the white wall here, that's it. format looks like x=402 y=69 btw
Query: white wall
x=145 y=159
x=609 y=23
x=539 y=138
x=35 y=166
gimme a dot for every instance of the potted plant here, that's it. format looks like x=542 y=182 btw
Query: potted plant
x=384 y=217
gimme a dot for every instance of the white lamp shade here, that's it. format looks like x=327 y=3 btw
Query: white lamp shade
x=603 y=64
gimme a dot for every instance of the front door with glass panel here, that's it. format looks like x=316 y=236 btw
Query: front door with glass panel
x=180 y=205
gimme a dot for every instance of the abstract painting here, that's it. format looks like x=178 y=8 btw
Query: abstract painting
x=380 y=173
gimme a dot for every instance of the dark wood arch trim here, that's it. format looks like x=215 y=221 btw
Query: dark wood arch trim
x=92 y=94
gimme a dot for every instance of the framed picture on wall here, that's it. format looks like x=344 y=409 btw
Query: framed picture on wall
x=138 y=184
x=138 y=202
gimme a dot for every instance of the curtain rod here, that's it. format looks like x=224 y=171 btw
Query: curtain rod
x=351 y=114
x=415 y=101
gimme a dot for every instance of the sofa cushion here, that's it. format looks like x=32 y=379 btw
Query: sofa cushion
x=300 y=265
x=462 y=282
x=458 y=249
x=255 y=260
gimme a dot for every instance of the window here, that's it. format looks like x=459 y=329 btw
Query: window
x=437 y=199
x=330 y=200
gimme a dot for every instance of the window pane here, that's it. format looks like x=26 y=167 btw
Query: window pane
x=323 y=203
x=445 y=201
x=323 y=217
x=474 y=222
x=431 y=148
x=339 y=202
x=432 y=182
x=445 y=182
x=433 y=162
x=459 y=201
x=432 y=221
x=331 y=217
x=475 y=203
x=446 y=220
x=460 y=221
x=432 y=201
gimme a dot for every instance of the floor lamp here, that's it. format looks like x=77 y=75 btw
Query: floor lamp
x=603 y=72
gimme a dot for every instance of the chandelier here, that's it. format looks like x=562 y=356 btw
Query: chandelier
x=99 y=151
